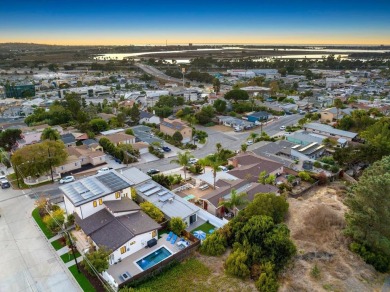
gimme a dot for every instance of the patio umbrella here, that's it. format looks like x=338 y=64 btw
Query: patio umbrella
x=199 y=234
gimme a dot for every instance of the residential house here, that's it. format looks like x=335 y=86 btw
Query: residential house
x=258 y=116
x=170 y=126
x=333 y=114
x=120 y=138
x=146 y=117
x=72 y=163
x=329 y=131
x=68 y=139
x=87 y=155
x=92 y=145
x=211 y=201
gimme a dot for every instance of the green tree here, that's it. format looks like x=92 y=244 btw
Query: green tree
x=134 y=114
x=252 y=136
x=34 y=160
x=368 y=217
x=236 y=200
x=205 y=115
x=177 y=136
x=214 y=245
x=244 y=147
x=129 y=132
x=338 y=104
x=55 y=220
x=236 y=95
x=98 y=125
x=183 y=159
x=9 y=137
x=268 y=204
x=220 y=105
x=216 y=85
x=98 y=259
x=177 y=225
x=235 y=264
x=152 y=211
x=377 y=137
x=265 y=178
x=305 y=176
x=267 y=281
x=162 y=180
x=50 y=134
x=214 y=161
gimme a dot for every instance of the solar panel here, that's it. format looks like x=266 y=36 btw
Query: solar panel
x=93 y=187
x=162 y=193
x=146 y=187
x=152 y=191
x=166 y=197
x=112 y=181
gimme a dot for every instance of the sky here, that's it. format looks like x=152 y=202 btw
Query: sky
x=89 y=22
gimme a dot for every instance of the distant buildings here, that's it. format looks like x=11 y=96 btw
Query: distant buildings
x=169 y=127
x=19 y=91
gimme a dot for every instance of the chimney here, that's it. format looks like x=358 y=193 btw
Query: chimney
x=235 y=162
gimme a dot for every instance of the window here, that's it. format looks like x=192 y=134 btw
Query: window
x=154 y=233
x=117 y=195
x=123 y=249
x=94 y=203
x=100 y=201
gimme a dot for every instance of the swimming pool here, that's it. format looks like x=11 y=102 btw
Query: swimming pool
x=154 y=258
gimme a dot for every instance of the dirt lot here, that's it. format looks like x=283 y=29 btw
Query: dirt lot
x=316 y=222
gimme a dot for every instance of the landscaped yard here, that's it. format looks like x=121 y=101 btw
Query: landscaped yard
x=82 y=280
x=40 y=223
x=12 y=179
x=69 y=256
x=57 y=244
x=206 y=227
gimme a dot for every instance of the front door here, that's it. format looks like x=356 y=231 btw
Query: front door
x=192 y=219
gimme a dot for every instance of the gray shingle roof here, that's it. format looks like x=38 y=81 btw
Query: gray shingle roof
x=123 y=205
x=330 y=130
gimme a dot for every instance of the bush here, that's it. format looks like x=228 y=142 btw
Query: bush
x=317 y=164
x=267 y=281
x=315 y=272
x=152 y=211
x=213 y=245
x=334 y=169
x=177 y=225
x=378 y=260
x=236 y=264
x=305 y=176
x=55 y=220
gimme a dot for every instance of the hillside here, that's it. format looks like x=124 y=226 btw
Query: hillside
x=316 y=222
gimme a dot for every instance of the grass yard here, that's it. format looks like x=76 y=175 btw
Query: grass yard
x=12 y=179
x=205 y=227
x=68 y=257
x=189 y=275
x=57 y=244
x=42 y=225
x=82 y=280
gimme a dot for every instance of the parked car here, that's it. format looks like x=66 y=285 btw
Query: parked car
x=250 y=142
x=67 y=179
x=223 y=168
x=104 y=169
x=283 y=128
x=193 y=160
x=160 y=150
x=152 y=171
x=118 y=160
x=5 y=184
x=167 y=149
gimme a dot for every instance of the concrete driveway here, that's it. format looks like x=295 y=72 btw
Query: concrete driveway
x=27 y=262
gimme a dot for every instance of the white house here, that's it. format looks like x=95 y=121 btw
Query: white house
x=146 y=117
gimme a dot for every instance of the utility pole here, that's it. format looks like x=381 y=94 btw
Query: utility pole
x=72 y=247
x=183 y=70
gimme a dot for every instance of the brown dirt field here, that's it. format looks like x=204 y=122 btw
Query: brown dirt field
x=316 y=222
x=219 y=281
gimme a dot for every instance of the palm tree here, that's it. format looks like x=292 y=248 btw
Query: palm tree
x=214 y=162
x=183 y=159
x=235 y=200
x=203 y=162
x=50 y=134
x=338 y=104
x=219 y=147
x=252 y=136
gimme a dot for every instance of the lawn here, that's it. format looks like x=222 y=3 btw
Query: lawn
x=57 y=244
x=205 y=227
x=189 y=275
x=12 y=179
x=81 y=279
x=42 y=225
x=68 y=257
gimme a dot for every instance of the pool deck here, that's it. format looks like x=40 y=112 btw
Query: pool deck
x=129 y=265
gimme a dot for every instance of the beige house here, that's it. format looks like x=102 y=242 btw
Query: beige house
x=71 y=163
x=330 y=115
x=169 y=127
x=120 y=138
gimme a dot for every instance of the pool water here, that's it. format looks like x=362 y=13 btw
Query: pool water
x=154 y=258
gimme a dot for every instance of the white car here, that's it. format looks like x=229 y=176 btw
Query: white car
x=193 y=160
x=104 y=169
x=283 y=128
x=67 y=179
x=250 y=142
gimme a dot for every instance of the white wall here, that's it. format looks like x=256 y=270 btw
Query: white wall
x=132 y=246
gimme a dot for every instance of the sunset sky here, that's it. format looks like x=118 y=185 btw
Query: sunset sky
x=181 y=22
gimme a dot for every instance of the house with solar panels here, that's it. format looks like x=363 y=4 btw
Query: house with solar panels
x=168 y=202
x=170 y=126
x=107 y=216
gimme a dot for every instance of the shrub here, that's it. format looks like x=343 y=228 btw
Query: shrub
x=70 y=219
x=315 y=272
x=378 y=260
x=98 y=259
x=55 y=220
x=177 y=225
x=317 y=164
x=305 y=176
x=236 y=264
x=213 y=245
x=152 y=211
x=267 y=281
x=334 y=169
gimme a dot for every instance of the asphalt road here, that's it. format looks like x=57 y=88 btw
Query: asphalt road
x=158 y=74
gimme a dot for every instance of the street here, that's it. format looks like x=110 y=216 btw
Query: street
x=158 y=74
